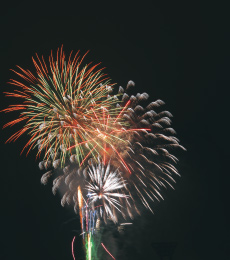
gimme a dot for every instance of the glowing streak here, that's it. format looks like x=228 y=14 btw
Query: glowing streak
x=105 y=143
x=89 y=247
x=122 y=111
x=104 y=153
x=95 y=115
x=107 y=251
x=126 y=166
x=98 y=206
x=88 y=154
x=72 y=248
x=103 y=109
x=79 y=144
x=80 y=203
x=142 y=129
x=87 y=216
x=107 y=122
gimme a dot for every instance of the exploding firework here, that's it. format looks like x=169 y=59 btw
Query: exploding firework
x=107 y=149
x=62 y=107
x=148 y=155
x=106 y=187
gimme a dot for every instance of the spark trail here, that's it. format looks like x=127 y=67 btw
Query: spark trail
x=73 y=248
x=107 y=251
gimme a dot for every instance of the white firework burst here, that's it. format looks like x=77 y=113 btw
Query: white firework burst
x=107 y=187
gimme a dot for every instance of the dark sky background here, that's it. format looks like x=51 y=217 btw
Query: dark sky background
x=178 y=52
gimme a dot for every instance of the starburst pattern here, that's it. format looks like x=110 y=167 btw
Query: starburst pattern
x=73 y=115
x=58 y=105
x=107 y=187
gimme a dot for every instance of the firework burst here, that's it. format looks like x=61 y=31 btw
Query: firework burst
x=61 y=106
x=72 y=115
x=106 y=187
x=149 y=153
x=108 y=149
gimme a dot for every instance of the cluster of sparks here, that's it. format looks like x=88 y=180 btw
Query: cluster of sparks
x=111 y=149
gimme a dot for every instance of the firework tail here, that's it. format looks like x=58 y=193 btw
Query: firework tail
x=87 y=219
x=73 y=248
x=80 y=203
x=92 y=244
x=107 y=251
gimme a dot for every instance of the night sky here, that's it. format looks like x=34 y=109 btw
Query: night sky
x=176 y=52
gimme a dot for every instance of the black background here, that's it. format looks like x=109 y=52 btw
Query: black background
x=178 y=52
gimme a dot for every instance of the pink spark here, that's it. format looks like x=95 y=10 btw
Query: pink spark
x=107 y=251
x=72 y=248
x=122 y=110
x=88 y=154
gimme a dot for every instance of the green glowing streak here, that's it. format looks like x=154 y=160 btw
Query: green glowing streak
x=92 y=246
x=88 y=245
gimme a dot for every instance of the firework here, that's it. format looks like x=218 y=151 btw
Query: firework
x=149 y=162
x=62 y=107
x=107 y=149
x=72 y=115
x=106 y=187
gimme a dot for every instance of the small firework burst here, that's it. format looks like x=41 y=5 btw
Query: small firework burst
x=106 y=187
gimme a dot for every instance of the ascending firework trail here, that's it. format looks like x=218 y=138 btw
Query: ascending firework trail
x=110 y=150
